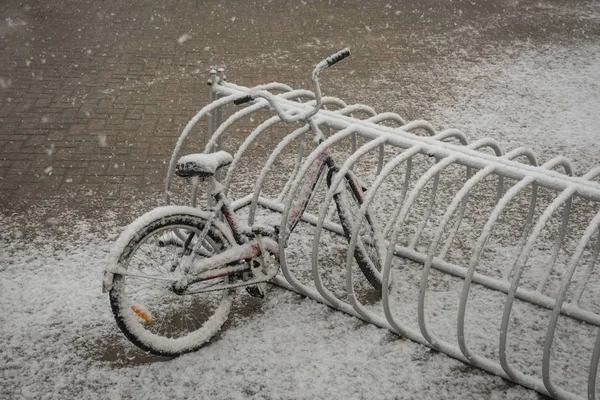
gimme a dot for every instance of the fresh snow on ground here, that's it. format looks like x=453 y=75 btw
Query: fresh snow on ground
x=542 y=97
x=59 y=339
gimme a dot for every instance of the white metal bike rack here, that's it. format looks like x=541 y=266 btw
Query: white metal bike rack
x=538 y=308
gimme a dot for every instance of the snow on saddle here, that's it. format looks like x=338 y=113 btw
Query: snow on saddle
x=202 y=165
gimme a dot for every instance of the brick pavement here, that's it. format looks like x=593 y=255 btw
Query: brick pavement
x=93 y=94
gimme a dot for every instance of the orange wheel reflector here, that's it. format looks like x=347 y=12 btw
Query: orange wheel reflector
x=143 y=314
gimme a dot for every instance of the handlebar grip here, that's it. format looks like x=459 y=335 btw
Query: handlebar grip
x=242 y=100
x=339 y=56
x=332 y=59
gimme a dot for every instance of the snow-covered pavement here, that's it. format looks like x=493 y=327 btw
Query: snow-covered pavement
x=59 y=339
x=93 y=96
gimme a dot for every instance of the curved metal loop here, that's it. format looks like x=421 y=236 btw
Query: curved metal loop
x=378 y=119
x=592 y=174
x=523 y=151
x=495 y=146
x=432 y=196
x=399 y=218
x=405 y=156
x=403 y=191
x=337 y=180
x=387 y=116
x=593 y=370
x=566 y=280
x=467 y=187
x=244 y=146
x=327 y=101
x=343 y=109
x=267 y=167
x=479 y=247
x=487 y=142
x=360 y=108
x=561 y=161
x=310 y=159
x=521 y=259
x=479 y=144
x=420 y=124
x=519 y=267
x=252 y=137
x=216 y=136
x=186 y=131
x=268 y=86
x=452 y=133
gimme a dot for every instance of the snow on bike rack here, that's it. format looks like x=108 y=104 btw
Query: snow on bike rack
x=492 y=255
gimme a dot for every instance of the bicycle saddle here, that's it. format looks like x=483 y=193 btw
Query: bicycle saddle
x=202 y=165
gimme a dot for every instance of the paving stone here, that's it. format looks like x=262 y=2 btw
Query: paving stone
x=105 y=83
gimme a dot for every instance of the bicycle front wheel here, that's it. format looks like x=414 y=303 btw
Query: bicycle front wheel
x=145 y=306
x=367 y=251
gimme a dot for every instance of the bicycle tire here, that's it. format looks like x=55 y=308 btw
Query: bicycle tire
x=150 y=314
x=305 y=194
x=348 y=202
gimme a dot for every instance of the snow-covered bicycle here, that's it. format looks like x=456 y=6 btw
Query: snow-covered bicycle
x=173 y=272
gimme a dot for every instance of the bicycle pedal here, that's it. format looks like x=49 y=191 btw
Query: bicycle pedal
x=255 y=291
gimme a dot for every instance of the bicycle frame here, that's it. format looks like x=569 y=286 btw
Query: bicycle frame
x=240 y=231
x=248 y=239
x=245 y=236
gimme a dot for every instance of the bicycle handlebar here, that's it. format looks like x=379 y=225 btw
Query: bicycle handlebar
x=332 y=59
x=287 y=117
x=243 y=100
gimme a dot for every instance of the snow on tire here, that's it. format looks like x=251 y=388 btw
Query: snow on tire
x=145 y=306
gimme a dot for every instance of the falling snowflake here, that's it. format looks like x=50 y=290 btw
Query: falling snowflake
x=102 y=140
x=184 y=38
x=51 y=150
x=4 y=83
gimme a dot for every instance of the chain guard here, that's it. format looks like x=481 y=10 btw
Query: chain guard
x=273 y=268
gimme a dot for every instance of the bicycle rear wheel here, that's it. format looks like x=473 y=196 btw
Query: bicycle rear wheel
x=348 y=201
x=146 y=308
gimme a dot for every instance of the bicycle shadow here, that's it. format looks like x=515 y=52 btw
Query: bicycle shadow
x=116 y=350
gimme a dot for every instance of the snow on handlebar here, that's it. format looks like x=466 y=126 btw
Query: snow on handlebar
x=334 y=58
x=242 y=100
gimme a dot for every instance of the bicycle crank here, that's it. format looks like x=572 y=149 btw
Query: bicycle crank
x=217 y=283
